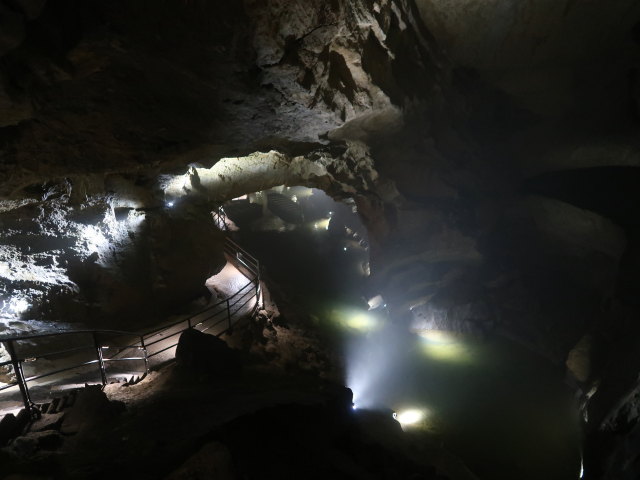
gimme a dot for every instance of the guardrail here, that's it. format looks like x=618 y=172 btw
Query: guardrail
x=220 y=219
x=103 y=348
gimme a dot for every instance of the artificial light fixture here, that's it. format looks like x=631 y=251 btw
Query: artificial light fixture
x=410 y=417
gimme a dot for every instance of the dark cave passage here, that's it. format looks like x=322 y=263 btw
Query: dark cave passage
x=611 y=191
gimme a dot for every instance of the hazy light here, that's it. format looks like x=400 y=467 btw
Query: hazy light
x=170 y=204
x=321 y=224
x=361 y=322
x=410 y=417
x=344 y=248
x=376 y=363
x=350 y=318
x=438 y=337
x=444 y=347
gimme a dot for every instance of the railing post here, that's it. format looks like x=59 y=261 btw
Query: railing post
x=229 y=313
x=103 y=372
x=144 y=351
x=22 y=383
x=258 y=286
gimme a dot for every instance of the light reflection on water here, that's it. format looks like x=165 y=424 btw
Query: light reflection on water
x=445 y=347
x=500 y=408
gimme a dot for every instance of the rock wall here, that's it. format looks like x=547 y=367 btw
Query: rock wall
x=103 y=251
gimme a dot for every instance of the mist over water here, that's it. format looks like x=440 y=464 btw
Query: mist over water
x=503 y=411
x=377 y=365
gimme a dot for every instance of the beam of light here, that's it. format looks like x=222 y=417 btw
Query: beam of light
x=411 y=417
x=376 y=362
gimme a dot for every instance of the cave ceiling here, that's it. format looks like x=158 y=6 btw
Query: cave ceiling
x=99 y=87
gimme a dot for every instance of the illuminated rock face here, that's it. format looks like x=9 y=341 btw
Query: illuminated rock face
x=105 y=112
x=117 y=256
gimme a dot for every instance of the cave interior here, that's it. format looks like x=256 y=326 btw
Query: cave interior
x=442 y=196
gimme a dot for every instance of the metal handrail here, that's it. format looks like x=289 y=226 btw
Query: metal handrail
x=238 y=256
x=68 y=332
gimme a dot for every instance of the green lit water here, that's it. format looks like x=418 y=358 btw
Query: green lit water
x=500 y=408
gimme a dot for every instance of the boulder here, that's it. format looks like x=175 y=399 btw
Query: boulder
x=91 y=406
x=27 y=445
x=8 y=427
x=207 y=353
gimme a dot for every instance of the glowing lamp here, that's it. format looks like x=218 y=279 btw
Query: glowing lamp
x=410 y=417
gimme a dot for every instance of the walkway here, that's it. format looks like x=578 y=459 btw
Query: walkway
x=46 y=364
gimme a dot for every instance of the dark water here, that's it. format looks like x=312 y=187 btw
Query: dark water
x=501 y=409
x=504 y=411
